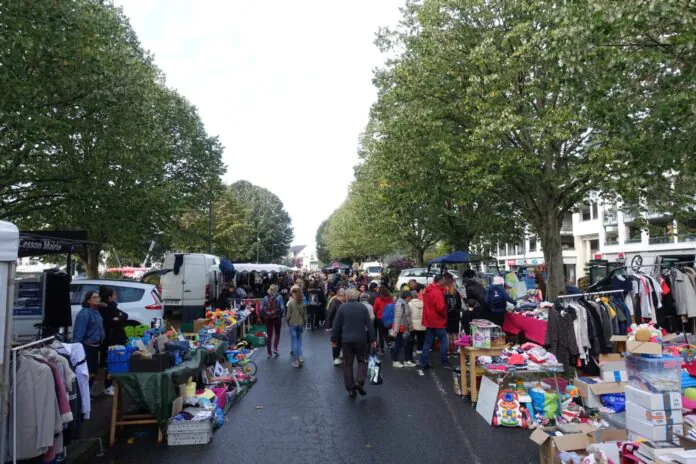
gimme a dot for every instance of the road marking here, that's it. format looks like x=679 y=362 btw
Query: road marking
x=453 y=414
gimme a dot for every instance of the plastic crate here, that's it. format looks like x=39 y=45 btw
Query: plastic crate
x=119 y=355
x=117 y=367
x=654 y=374
x=189 y=432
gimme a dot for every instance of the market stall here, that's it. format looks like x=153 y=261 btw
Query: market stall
x=200 y=374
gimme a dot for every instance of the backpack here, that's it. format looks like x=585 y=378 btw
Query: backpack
x=496 y=299
x=272 y=308
x=388 y=315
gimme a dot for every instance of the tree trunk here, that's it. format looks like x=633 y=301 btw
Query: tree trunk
x=420 y=256
x=553 y=254
x=92 y=263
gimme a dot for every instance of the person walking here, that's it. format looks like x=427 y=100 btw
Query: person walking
x=114 y=330
x=402 y=331
x=435 y=320
x=365 y=299
x=297 y=318
x=380 y=303
x=89 y=330
x=272 y=312
x=354 y=331
x=336 y=303
x=315 y=304
x=416 y=305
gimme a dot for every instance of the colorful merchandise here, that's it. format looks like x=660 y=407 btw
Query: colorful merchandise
x=509 y=412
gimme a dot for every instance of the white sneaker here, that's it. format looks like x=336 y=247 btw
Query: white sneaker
x=397 y=364
x=418 y=351
x=420 y=372
x=410 y=364
x=337 y=362
x=110 y=391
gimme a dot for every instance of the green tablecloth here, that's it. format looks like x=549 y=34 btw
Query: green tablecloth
x=156 y=391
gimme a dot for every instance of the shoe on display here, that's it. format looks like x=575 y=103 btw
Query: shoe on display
x=410 y=364
x=397 y=364
x=110 y=391
x=337 y=362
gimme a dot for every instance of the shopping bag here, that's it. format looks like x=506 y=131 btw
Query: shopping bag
x=374 y=370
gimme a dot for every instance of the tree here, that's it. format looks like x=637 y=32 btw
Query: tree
x=91 y=139
x=323 y=252
x=526 y=104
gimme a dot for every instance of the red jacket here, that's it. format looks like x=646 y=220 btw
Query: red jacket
x=434 y=308
x=380 y=303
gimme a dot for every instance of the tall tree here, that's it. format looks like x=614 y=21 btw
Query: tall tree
x=523 y=91
x=323 y=252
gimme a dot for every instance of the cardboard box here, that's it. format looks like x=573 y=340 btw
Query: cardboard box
x=654 y=417
x=550 y=446
x=669 y=401
x=613 y=368
x=635 y=347
x=591 y=388
x=654 y=432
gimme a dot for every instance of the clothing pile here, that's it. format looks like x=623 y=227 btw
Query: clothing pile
x=52 y=399
x=527 y=357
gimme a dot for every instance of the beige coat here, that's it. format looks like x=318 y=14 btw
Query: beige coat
x=297 y=313
x=417 y=314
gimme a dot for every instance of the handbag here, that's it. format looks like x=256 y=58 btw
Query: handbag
x=374 y=370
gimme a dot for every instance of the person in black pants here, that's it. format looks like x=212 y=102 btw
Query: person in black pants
x=316 y=303
x=114 y=328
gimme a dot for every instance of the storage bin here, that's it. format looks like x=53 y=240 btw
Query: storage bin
x=256 y=341
x=189 y=432
x=485 y=334
x=118 y=367
x=653 y=374
x=118 y=355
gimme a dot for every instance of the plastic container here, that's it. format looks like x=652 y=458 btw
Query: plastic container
x=118 y=355
x=189 y=432
x=485 y=334
x=655 y=375
x=118 y=367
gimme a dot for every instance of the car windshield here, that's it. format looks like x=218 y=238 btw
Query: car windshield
x=374 y=269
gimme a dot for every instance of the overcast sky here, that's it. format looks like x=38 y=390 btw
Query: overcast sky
x=285 y=84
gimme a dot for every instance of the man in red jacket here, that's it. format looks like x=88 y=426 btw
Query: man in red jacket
x=435 y=319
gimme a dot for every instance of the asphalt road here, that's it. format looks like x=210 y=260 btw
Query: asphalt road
x=305 y=416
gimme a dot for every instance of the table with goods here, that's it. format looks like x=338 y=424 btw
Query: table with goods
x=182 y=382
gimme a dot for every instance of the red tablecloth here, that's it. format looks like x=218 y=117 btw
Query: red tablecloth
x=533 y=329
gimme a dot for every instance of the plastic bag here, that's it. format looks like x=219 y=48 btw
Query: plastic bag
x=614 y=401
x=374 y=370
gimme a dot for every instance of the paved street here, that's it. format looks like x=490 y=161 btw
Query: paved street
x=304 y=416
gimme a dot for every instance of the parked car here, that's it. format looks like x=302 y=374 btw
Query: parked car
x=421 y=275
x=141 y=301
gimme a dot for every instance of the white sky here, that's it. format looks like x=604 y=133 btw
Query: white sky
x=285 y=84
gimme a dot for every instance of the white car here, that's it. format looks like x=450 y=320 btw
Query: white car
x=142 y=302
x=420 y=275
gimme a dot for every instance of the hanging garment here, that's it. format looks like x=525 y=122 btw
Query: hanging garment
x=560 y=335
x=604 y=344
x=37 y=414
x=79 y=362
x=582 y=337
x=684 y=293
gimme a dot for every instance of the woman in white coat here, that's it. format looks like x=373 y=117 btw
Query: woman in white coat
x=416 y=305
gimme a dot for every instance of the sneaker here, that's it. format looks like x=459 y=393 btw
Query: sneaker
x=269 y=355
x=301 y=360
x=337 y=362
x=418 y=352
x=397 y=364
x=110 y=391
x=420 y=372
x=359 y=388
x=276 y=354
x=295 y=364
x=410 y=364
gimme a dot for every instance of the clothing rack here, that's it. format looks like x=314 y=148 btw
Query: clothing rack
x=580 y=295
x=14 y=389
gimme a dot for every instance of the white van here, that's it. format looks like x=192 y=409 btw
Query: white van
x=373 y=270
x=191 y=282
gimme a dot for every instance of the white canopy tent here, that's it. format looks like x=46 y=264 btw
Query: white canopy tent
x=250 y=267
x=9 y=251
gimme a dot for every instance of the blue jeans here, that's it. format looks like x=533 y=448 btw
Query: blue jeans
x=429 y=339
x=296 y=340
x=406 y=344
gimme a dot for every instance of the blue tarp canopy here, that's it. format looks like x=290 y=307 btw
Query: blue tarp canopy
x=454 y=258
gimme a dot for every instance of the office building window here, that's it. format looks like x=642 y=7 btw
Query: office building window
x=586 y=213
x=567 y=242
x=532 y=244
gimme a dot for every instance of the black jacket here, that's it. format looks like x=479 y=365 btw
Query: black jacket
x=352 y=324
x=114 y=323
x=475 y=290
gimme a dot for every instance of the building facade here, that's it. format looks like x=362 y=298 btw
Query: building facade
x=603 y=231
